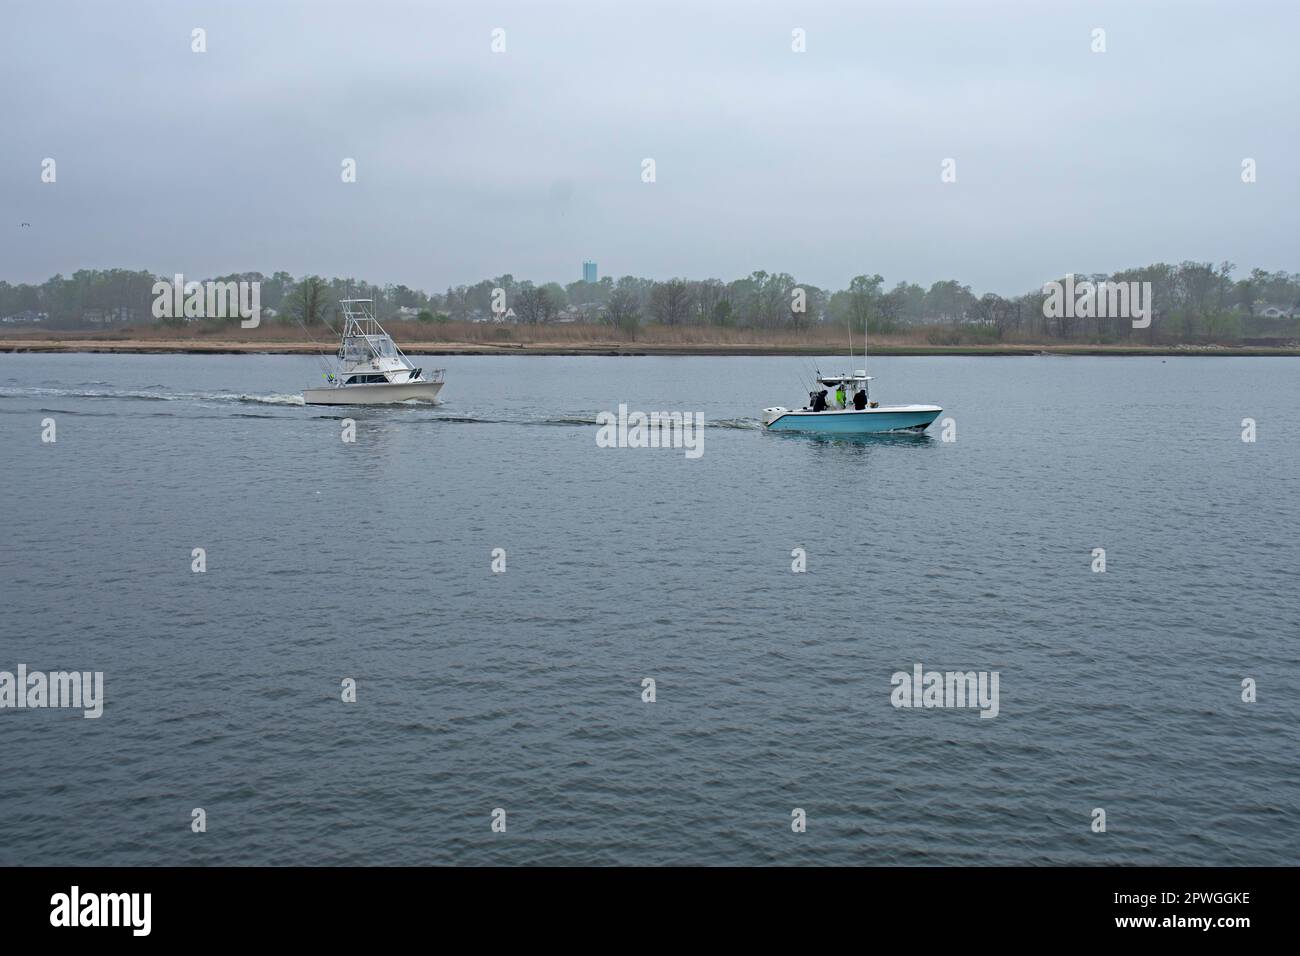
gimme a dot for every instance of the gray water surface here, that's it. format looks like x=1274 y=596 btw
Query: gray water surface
x=372 y=560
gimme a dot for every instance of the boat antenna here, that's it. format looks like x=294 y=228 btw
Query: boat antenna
x=866 y=385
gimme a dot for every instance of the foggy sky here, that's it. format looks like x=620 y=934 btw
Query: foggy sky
x=824 y=164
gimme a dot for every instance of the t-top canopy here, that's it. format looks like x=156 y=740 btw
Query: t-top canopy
x=846 y=379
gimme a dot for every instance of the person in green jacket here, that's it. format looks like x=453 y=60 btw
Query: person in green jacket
x=839 y=396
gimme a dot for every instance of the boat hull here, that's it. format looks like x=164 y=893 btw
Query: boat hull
x=850 y=421
x=376 y=394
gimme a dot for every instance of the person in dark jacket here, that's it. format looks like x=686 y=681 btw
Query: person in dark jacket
x=819 y=403
x=860 y=399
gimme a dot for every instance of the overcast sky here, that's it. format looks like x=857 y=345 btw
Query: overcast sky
x=824 y=164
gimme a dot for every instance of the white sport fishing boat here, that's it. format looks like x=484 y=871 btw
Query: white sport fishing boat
x=373 y=369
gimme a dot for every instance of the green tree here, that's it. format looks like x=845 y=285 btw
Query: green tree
x=309 y=301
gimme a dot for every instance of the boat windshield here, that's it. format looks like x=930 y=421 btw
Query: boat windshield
x=355 y=350
x=360 y=348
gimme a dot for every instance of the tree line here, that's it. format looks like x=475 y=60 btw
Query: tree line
x=1191 y=301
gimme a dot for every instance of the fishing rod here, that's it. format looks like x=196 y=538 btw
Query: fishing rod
x=320 y=353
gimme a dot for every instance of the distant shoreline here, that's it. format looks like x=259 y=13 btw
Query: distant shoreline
x=199 y=347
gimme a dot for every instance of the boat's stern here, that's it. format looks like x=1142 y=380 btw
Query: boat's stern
x=772 y=414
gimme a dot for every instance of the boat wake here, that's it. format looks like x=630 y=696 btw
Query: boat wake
x=567 y=421
x=147 y=394
x=102 y=391
x=744 y=424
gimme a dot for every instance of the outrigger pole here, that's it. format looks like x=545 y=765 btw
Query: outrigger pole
x=849 y=325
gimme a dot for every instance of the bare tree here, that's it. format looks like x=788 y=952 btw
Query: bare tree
x=623 y=310
x=706 y=295
x=670 y=302
x=534 y=305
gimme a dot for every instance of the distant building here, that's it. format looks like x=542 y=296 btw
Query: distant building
x=118 y=315
x=1277 y=312
x=478 y=315
x=25 y=318
x=589 y=271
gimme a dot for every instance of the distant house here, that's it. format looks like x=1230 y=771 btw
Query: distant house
x=1278 y=312
x=26 y=317
x=408 y=312
x=120 y=314
x=478 y=315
